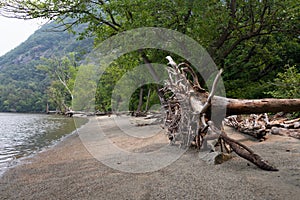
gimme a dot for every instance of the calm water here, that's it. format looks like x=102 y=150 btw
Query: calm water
x=22 y=135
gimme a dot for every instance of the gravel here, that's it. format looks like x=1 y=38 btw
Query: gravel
x=69 y=171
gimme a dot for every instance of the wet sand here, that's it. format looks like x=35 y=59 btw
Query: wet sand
x=69 y=171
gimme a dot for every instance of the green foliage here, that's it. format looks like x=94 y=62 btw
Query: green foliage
x=110 y=77
x=23 y=87
x=85 y=87
x=251 y=40
x=117 y=81
x=287 y=84
x=152 y=101
x=62 y=73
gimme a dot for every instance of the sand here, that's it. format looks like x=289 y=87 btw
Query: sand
x=69 y=171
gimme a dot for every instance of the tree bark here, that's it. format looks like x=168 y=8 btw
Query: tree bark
x=247 y=153
x=148 y=98
x=188 y=113
x=140 y=101
x=248 y=106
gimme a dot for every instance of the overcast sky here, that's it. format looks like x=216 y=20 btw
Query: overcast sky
x=15 y=31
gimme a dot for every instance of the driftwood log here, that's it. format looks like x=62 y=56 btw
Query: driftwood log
x=260 y=125
x=187 y=116
x=257 y=106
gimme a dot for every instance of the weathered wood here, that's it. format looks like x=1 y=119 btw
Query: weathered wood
x=254 y=125
x=247 y=154
x=248 y=106
x=242 y=150
x=258 y=125
x=187 y=113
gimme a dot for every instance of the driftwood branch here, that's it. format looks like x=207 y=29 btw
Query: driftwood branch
x=247 y=154
x=188 y=104
x=212 y=93
x=259 y=125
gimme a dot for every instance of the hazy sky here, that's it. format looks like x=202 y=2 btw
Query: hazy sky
x=15 y=31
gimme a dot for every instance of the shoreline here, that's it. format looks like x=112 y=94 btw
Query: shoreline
x=68 y=171
x=24 y=159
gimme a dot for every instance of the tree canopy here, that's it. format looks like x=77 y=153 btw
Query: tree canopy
x=252 y=40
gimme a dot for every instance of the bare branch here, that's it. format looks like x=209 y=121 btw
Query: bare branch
x=212 y=92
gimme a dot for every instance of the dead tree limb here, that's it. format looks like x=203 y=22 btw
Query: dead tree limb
x=247 y=154
x=257 y=106
x=259 y=125
x=188 y=105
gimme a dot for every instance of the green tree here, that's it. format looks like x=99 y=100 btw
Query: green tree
x=18 y=67
x=248 y=38
x=287 y=84
x=62 y=73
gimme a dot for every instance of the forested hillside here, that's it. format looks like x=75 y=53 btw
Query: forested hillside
x=23 y=86
x=257 y=43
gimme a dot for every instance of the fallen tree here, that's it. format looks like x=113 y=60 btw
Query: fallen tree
x=188 y=109
x=257 y=106
x=259 y=125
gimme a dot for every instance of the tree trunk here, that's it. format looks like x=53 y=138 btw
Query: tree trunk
x=154 y=76
x=148 y=99
x=140 y=101
x=247 y=106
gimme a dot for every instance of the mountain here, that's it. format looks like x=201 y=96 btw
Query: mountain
x=22 y=85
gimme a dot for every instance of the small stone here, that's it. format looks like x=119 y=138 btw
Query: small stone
x=214 y=157
x=297 y=125
x=275 y=130
x=222 y=157
x=261 y=139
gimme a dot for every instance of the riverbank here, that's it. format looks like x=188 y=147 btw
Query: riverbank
x=22 y=135
x=68 y=171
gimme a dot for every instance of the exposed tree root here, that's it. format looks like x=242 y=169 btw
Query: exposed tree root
x=186 y=110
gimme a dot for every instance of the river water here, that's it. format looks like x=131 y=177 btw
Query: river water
x=23 y=135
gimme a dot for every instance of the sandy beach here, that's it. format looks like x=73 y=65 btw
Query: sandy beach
x=69 y=171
